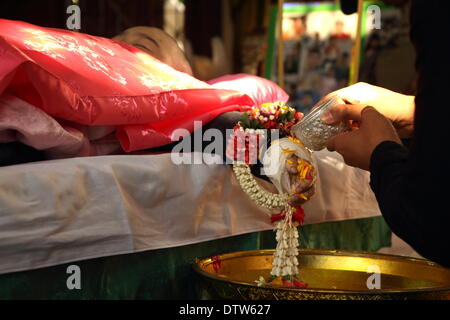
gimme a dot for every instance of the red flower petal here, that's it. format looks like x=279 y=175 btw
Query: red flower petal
x=277 y=216
x=288 y=283
x=217 y=263
x=299 y=284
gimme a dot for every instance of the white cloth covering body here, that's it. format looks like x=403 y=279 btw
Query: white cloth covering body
x=60 y=211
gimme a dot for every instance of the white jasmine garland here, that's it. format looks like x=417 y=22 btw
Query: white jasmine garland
x=285 y=262
x=285 y=256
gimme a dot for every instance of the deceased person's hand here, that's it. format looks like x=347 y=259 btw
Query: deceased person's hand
x=302 y=176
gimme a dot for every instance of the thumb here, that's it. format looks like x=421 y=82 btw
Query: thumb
x=378 y=125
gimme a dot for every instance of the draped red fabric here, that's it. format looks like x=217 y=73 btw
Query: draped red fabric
x=97 y=81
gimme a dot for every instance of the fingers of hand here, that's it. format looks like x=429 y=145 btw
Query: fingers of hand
x=357 y=146
x=340 y=142
x=343 y=112
x=301 y=197
x=378 y=127
x=291 y=164
x=301 y=185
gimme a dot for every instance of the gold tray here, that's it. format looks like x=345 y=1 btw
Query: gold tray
x=330 y=274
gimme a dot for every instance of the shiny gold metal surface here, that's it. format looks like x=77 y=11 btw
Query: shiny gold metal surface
x=331 y=274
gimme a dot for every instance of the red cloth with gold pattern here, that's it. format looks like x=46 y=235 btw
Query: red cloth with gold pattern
x=97 y=81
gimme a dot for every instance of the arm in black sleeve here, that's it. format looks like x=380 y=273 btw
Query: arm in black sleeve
x=412 y=187
x=412 y=207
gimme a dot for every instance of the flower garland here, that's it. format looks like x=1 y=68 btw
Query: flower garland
x=243 y=148
x=274 y=115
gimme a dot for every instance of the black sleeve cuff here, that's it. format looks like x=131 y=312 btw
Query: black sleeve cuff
x=386 y=156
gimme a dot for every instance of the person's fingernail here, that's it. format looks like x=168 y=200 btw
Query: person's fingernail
x=327 y=117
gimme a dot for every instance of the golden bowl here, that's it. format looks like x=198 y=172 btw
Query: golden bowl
x=330 y=275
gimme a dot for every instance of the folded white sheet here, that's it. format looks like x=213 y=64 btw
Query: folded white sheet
x=60 y=211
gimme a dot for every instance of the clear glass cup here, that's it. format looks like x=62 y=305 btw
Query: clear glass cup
x=312 y=132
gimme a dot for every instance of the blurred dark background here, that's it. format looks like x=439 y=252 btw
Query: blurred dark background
x=104 y=18
x=219 y=36
x=203 y=19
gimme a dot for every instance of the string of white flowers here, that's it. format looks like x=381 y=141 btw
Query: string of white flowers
x=285 y=262
x=250 y=186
